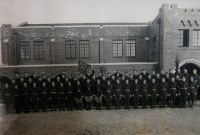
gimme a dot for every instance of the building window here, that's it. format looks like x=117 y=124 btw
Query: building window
x=196 y=38
x=130 y=48
x=117 y=48
x=184 y=37
x=70 y=49
x=38 y=48
x=25 y=52
x=84 y=51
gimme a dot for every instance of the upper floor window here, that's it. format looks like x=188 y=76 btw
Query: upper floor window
x=84 y=50
x=130 y=48
x=184 y=37
x=117 y=48
x=38 y=49
x=196 y=38
x=70 y=48
x=24 y=47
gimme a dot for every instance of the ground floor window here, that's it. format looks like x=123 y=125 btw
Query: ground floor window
x=24 y=48
x=196 y=38
x=38 y=49
x=130 y=48
x=117 y=48
x=70 y=49
x=84 y=49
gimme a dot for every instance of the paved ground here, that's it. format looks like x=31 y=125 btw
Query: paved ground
x=166 y=121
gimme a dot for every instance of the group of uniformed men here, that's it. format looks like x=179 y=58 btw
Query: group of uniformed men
x=38 y=92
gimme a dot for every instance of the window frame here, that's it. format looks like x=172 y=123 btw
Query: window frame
x=38 y=51
x=117 y=48
x=70 y=46
x=131 y=47
x=84 y=49
x=197 y=38
x=26 y=52
x=182 y=37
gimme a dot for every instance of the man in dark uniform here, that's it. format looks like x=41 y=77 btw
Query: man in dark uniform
x=178 y=72
x=171 y=74
x=98 y=94
x=61 y=97
x=113 y=85
x=108 y=94
x=17 y=93
x=26 y=98
x=183 y=91
x=89 y=74
x=163 y=92
x=53 y=96
x=173 y=92
x=26 y=77
x=44 y=96
x=122 y=83
x=118 y=94
x=144 y=89
x=197 y=82
x=162 y=74
x=35 y=97
x=136 y=93
x=153 y=74
x=103 y=84
x=186 y=75
x=178 y=94
x=144 y=74
x=153 y=93
x=168 y=80
x=88 y=94
x=127 y=94
x=7 y=98
x=191 y=92
x=70 y=96
x=108 y=77
x=135 y=75
x=78 y=95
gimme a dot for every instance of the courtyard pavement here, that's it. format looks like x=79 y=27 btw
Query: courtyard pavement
x=165 y=121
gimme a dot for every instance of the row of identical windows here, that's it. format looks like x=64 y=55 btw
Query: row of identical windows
x=184 y=38
x=25 y=50
x=70 y=49
x=118 y=48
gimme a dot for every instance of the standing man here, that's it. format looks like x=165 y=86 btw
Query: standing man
x=183 y=91
x=108 y=95
x=78 y=95
x=127 y=94
x=98 y=94
x=118 y=94
x=144 y=94
x=136 y=94
x=173 y=92
x=88 y=95
x=163 y=93
x=153 y=93
x=191 y=92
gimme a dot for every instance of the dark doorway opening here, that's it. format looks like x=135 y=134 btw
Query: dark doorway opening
x=190 y=67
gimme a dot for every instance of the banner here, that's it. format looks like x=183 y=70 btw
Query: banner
x=82 y=66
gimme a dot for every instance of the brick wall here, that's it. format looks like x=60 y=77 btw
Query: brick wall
x=61 y=34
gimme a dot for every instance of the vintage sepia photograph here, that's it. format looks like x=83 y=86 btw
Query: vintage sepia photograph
x=99 y=67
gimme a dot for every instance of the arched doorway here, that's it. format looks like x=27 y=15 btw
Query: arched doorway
x=190 y=64
x=190 y=67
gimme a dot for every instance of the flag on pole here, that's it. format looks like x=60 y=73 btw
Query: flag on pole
x=82 y=66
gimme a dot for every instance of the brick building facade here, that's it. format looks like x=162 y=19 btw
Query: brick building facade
x=175 y=32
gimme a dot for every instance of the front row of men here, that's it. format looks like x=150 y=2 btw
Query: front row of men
x=109 y=92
